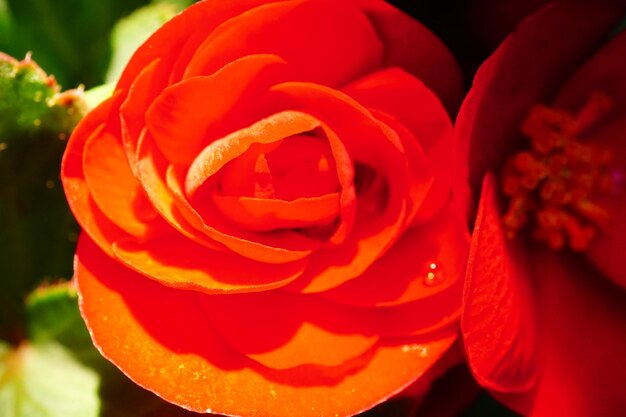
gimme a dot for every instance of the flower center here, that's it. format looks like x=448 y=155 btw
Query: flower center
x=551 y=186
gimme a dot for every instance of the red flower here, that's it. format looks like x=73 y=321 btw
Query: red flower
x=544 y=304
x=265 y=200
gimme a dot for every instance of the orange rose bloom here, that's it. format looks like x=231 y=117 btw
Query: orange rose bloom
x=265 y=201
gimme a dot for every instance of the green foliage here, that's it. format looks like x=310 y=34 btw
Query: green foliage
x=98 y=94
x=30 y=383
x=130 y=32
x=70 y=38
x=54 y=319
x=30 y=102
x=37 y=233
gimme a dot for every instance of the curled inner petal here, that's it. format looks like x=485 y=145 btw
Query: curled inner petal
x=222 y=151
x=265 y=214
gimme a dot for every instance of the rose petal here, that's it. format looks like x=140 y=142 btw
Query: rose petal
x=431 y=62
x=237 y=176
x=525 y=69
x=302 y=166
x=180 y=34
x=401 y=275
x=77 y=192
x=424 y=319
x=218 y=153
x=211 y=106
x=168 y=199
x=498 y=322
x=142 y=92
x=326 y=32
x=427 y=192
x=367 y=140
x=406 y=99
x=370 y=142
x=178 y=359
x=113 y=186
x=296 y=330
x=275 y=247
x=180 y=263
x=329 y=268
x=266 y=214
x=151 y=167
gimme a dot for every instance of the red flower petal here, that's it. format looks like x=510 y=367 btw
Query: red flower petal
x=180 y=35
x=164 y=191
x=331 y=48
x=329 y=268
x=604 y=72
x=187 y=363
x=408 y=100
x=297 y=330
x=372 y=143
x=607 y=252
x=113 y=186
x=411 y=46
x=401 y=275
x=498 y=322
x=524 y=70
x=86 y=211
x=144 y=89
x=218 y=153
x=150 y=167
x=266 y=214
x=582 y=318
x=211 y=106
x=178 y=262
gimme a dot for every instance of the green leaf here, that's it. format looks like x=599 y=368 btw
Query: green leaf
x=44 y=380
x=37 y=230
x=181 y=4
x=54 y=317
x=98 y=94
x=129 y=33
x=5 y=24
x=69 y=38
x=31 y=102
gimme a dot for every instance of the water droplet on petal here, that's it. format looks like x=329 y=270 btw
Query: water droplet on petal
x=434 y=274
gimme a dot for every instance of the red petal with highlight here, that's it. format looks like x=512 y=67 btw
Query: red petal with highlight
x=430 y=62
x=401 y=275
x=113 y=186
x=264 y=214
x=526 y=69
x=77 y=192
x=604 y=73
x=123 y=310
x=295 y=331
x=498 y=322
x=211 y=106
x=344 y=37
x=180 y=263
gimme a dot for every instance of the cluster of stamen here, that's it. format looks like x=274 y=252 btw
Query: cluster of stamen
x=552 y=185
